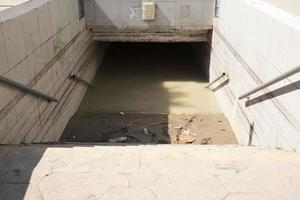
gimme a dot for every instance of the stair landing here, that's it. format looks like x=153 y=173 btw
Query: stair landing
x=148 y=172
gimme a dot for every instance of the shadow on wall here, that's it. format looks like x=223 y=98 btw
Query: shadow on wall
x=161 y=20
x=251 y=132
x=275 y=93
x=221 y=85
x=268 y=96
x=109 y=17
x=202 y=55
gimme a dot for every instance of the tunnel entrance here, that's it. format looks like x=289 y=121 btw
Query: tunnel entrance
x=151 y=93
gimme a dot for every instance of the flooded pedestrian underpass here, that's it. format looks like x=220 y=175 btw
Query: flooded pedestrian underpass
x=151 y=93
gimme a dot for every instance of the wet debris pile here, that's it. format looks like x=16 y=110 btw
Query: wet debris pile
x=150 y=129
x=186 y=136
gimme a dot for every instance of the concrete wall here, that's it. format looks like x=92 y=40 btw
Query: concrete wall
x=128 y=13
x=119 y=15
x=254 y=42
x=41 y=43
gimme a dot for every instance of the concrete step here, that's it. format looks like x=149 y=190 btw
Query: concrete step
x=148 y=172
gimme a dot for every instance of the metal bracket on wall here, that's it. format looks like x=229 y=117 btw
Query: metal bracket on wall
x=217 y=79
x=217 y=8
x=26 y=89
x=76 y=78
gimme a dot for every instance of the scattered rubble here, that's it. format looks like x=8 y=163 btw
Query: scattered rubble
x=185 y=137
x=154 y=129
x=179 y=127
x=206 y=141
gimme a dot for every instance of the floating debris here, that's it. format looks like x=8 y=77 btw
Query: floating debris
x=146 y=131
x=118 y=140
x=121 y=113
x=179 y=127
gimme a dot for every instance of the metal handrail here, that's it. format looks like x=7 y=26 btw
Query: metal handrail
x=76 y=78
x=271 y=82
x=26 y=89
x=217 y=79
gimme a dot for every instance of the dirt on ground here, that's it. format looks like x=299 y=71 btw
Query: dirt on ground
x=150 y=129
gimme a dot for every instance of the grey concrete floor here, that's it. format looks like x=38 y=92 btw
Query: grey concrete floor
x=42 y=172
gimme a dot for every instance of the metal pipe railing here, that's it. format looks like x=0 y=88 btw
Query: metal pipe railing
x=26 y=89
x=271 y=82
x=76 y=78
x=217 y=79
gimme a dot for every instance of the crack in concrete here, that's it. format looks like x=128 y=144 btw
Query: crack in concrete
x=154 y=194
x=239 y=193
x=140 y=161
x=40 y=192
x=158 y=177
x=220 y=182
x=127 y=178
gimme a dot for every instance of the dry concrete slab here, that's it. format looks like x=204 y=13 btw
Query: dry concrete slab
x=148 y=172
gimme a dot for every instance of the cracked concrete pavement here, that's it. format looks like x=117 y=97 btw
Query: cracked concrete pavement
x=148 y=172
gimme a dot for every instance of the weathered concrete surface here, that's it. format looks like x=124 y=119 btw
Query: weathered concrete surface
x=148 y=172
x=149 y=35
x=122 y=20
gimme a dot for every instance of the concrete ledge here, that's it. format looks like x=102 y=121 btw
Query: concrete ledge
x=150 y=34
x=16 y=8
x=148 y=172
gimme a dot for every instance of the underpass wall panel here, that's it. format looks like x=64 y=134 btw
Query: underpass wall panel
x=41 y=43
x=254 y=42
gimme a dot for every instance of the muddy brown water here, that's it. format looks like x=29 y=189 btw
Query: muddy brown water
x=160 y=88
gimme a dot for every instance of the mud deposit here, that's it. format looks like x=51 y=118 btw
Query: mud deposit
x=150 y=129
